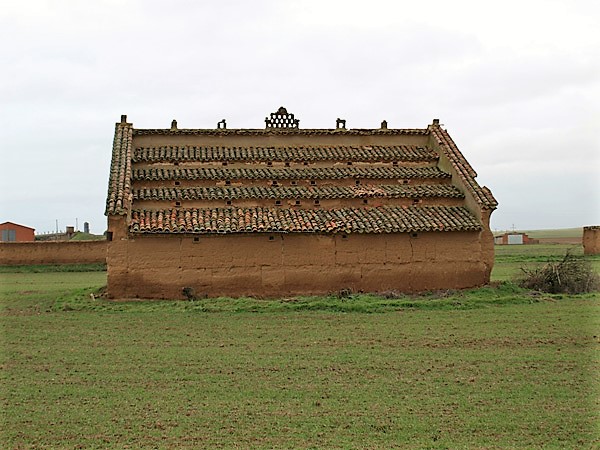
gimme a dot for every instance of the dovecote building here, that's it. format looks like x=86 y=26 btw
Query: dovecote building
x=283 y=211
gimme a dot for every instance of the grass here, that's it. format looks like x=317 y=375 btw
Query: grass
x=81 y=236
x=555 y=233
x=51 y=268
x=496 y=367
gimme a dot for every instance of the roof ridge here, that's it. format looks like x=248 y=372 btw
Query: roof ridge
x=465 y=171
x=119 y=182
x=269 y=131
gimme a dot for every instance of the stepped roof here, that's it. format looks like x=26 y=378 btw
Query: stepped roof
x=165 y=165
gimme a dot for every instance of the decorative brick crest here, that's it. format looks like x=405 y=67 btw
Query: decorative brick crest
x=281 y=119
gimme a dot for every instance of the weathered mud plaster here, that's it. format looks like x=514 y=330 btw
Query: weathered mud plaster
x=591 y=240
x=83 y=252
x=161 y=266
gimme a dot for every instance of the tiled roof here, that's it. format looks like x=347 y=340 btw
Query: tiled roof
x=285 y=192
x=119 y=183
x=482 y=194
x=135 y=167
x=295 y=153
x=310 y=173
x=283 y=220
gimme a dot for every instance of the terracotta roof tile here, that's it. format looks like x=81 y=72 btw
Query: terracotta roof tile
x=310 y=173
x=299 y=192
x=290 y=153
x=119 y=183
x=482 y=194
x=282 y=220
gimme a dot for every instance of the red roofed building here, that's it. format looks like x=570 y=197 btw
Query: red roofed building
x=13 y=232
x=284 y=210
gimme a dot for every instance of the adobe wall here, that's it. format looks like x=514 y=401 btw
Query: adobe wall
x=591 y=240
x=24 y=253
x=274 y=265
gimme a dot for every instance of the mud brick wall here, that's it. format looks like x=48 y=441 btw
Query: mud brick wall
x=591 y=240
x=24 y=253
x=274 y=265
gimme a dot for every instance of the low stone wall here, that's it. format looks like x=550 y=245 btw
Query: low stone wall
x=591 y=240
x=281 y=265
x=24 y=253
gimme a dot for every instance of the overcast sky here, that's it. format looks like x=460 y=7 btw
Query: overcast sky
x=516 y=83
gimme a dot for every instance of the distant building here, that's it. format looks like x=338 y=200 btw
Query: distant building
x=591 y=240
x=13 y=232
x=514 y=238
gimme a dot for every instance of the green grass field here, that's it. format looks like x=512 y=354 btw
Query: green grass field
x=496 y=367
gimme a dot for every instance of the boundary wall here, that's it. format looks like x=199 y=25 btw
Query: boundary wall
x=78 y=252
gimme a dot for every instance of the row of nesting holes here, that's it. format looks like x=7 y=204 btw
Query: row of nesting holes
x=316 y=202
x=292 y=182
x=344 y=237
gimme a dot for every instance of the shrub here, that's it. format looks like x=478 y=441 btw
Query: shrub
x=571 y=275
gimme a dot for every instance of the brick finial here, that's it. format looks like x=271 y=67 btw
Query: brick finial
x=436 y=121
x=340 y=123
x=384 y=125
x=174 y=125
x=281 y=119
x=222 y=125
x=123 y=118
